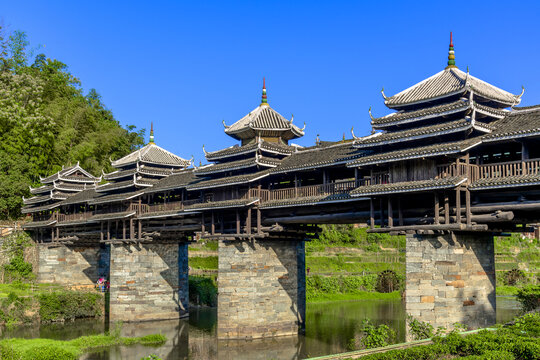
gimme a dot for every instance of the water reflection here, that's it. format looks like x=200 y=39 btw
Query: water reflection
x=329 y=329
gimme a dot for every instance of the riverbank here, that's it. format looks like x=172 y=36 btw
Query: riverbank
x=22 y=303
x=47 y=349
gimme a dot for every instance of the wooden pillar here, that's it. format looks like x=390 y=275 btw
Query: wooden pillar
x=400 y=212
x=57 y=232
x=446 y=209
x=221 y=223
x=131 y=229
x=108 y=230
x=356 y=176
x=140 y=230
x=468 y=213
x=213 y=225
x=458 y=205
x=259 y=221
x=237 y=222
x=295 y=185
x=371 y=214
x=101 y=232
x=203 y=228
x=390 y=213
x=437 y=209
x=52 y=235
x=124 y=229
x=248 y=221
x=381 y=211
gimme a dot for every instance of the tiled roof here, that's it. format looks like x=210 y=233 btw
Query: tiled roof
x=111 y=216
x=518 y=124
x=152 y=154
x=36 y=224
x=175 y=181
x=79 y=198
x=66 y=172
x=319 y=157
x=228 y=180
x=507 y=181
x=263 y=118
x=221 y=204
x=105 y=198
x=42 y=189
x=236 y=150
x=417 y=152
x=118 y=174
x=416 y=133
x=262 y=161
x=449 y=82
x=400 y=117
x=33 y=209
x=115 y=185
x=408 y=186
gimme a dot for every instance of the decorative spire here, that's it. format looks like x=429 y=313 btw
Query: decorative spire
x=451 y=56
x=264 y=101
x=151 y=133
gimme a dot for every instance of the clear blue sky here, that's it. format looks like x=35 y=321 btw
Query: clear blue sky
x=188 y=65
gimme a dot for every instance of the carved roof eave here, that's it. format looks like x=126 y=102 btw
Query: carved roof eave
x=96 y=201
x=211 y=186
x=393 y=188
x=211 y=171
x=41 y=189
x=27 y=210
x=251 y=132
x=259 y=145
x=510 y=136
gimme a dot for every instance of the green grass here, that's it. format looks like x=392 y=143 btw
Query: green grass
x=360 y=295
x=349 y=264
x=507 y=290
x=204 y=262
x=47 y=349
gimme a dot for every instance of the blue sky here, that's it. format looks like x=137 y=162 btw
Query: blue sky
x=189 y=65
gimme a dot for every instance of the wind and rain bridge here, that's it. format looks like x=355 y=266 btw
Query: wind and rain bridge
x=454 y=163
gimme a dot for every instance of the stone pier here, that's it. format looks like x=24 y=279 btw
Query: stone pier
x=261 y=288
x=73 y=266
x=451 y=278
x=148 y=282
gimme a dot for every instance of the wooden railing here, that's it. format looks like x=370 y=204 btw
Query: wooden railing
x=75 y=217
x=510 y=168
x=311 y=190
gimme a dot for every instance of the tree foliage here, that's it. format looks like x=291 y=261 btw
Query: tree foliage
x=47 y=121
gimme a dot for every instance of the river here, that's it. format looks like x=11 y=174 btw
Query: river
x=330 y=327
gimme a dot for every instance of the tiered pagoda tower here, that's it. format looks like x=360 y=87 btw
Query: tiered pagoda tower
x=54 y=189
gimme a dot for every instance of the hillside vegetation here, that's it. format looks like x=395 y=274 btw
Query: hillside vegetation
x=46 y=121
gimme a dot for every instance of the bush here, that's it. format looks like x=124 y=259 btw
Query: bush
x=317 y=284
x=514 y=277
x=202 y=290
x=529 y=297
x=69 y=305
x=388 y=281
x=17 y=269
x=374 y=337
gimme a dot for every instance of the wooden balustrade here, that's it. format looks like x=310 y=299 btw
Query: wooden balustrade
x=510 y=168
x=312 y=190
x=75 y=217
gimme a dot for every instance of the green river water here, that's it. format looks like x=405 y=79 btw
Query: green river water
x=329 y=329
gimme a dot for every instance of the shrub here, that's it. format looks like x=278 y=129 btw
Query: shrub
x=202 y=290
x=376 y=336
x=17 y=269
x=388 y=281
x=69 y=305
x=514 y=276
x=529 y=297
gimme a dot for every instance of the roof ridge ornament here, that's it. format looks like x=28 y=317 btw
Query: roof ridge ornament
x=352 y=133
x=522 y=92
x=382 y=92
x=451 y=64
x=151 y=133
x=205 y=152
x=264 y=99
x=225 y=125
x=304 y=127
x=371 y=116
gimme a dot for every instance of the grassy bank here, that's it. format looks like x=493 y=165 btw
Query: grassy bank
x=47 y=349
x=23 y=303
x=358 y=295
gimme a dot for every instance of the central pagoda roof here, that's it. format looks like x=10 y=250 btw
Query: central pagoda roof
x=264 y=121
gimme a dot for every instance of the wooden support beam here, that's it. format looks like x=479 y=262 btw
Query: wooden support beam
x=371 y=214
x=446 y=209
x=440 y=227
x=381 y=212
x=248 y=221
x=259 y=221
x=237 y=222
x=458 y=205
x=101 y=232
x=468 y=213
x=390 y=213
x=400 y=212
x=140 y=230
x=212 y=225
x=203 y=227
x=123 y=229
x=108 y=230
x=437 y=208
